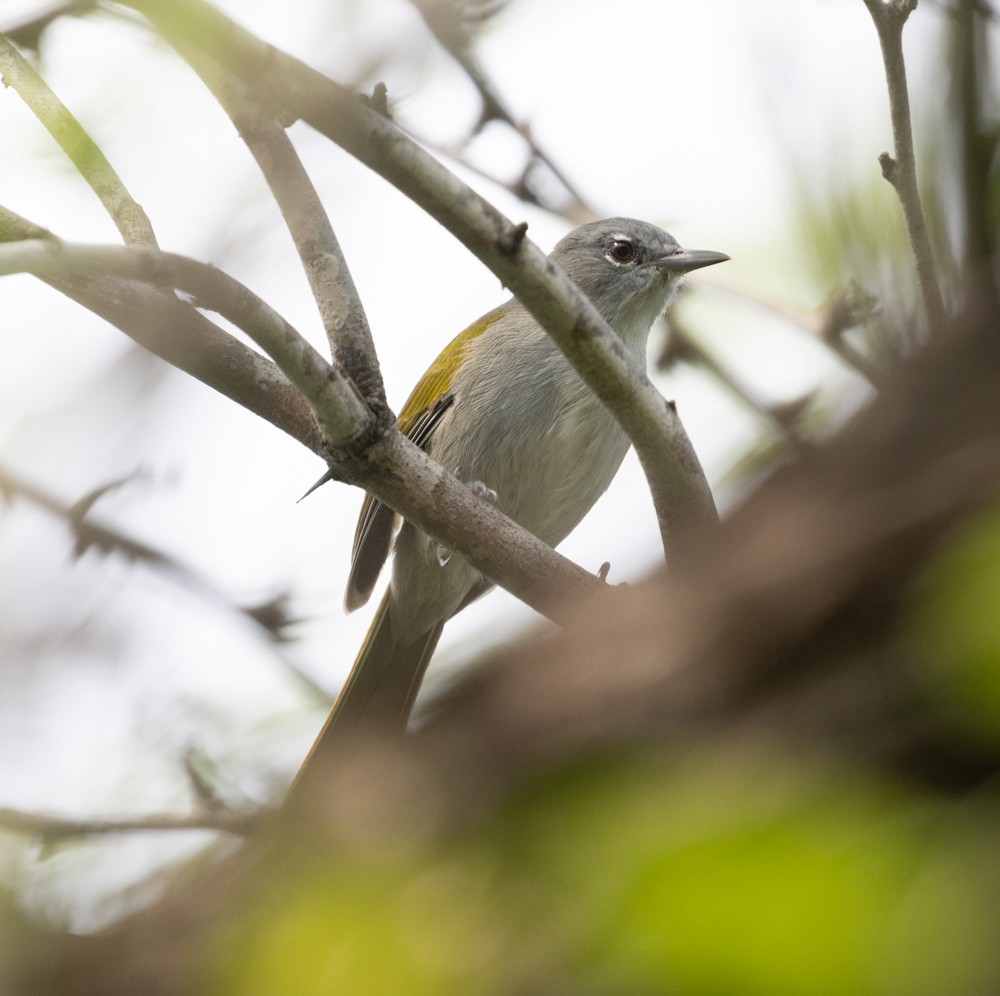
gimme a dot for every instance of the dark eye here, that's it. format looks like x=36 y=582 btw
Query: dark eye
x=622 y=251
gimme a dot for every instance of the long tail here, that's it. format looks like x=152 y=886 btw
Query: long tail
x=379 y=693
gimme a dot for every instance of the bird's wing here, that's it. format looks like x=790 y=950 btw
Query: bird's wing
x=372 y=540
x=418 y=419
x=377 y=523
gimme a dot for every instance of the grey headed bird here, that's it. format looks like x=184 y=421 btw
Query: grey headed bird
x=501 y=408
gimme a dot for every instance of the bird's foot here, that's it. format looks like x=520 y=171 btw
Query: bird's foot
x=482 y=491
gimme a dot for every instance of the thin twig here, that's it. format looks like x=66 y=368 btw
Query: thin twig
x=51 y=829
x=128 y=216
x=91 y=535
x=845 y=310
x=484 y=11
x=270 y=616
x=889 y=17
x=520 y=187
x=682 y=346
x=449 y=27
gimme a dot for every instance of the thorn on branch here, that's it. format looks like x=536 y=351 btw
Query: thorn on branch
x=379 y=100
x=273 y=616
x=789 y=413
x=889 y=167
x=511 y=238
x=326 y=478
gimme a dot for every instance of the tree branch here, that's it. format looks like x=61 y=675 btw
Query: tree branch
x=82 y=150
x=89 y=535
x=329 y=276
x=386 y=464
x=889 y=17
x=341 y=412
x=52 y=829
x=681 y=495
x=173 y=330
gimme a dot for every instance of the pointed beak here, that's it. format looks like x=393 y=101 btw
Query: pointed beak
x=685 y=260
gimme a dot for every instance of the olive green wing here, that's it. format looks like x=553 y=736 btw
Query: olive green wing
x=418 y=418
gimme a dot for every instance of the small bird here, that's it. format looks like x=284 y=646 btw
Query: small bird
x=503 y=410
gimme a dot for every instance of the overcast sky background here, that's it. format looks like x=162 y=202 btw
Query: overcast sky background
x=691 y=115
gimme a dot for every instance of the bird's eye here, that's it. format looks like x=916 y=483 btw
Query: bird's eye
x=622 y=251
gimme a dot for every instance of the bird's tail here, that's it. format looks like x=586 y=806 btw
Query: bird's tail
x=378 y=695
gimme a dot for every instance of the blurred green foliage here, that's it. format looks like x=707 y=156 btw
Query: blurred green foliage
x=740 y=872
x=954 y=627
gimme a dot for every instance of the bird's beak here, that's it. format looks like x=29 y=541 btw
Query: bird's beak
x=689 y=259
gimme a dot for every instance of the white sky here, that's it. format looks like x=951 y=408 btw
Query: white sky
x=678 y=112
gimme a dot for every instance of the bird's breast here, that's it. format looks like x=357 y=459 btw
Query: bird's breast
x=525 y=424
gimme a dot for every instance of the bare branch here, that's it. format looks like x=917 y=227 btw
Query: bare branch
x=92 y=535
x=82 y=150
x=681 y=495
x=173 y=330
x=843 y=311
x=329 y=276
x=271 y=615
x=889 y=17
x=340 y=411
x=389 y=466
x=53 y=829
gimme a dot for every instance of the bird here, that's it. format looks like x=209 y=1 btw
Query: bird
x=501 y=408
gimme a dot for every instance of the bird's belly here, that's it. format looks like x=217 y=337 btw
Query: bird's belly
x=573 y=467
x=545 y=445
x=547 y=474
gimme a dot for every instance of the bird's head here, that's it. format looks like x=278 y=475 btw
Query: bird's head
x=629 y=269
